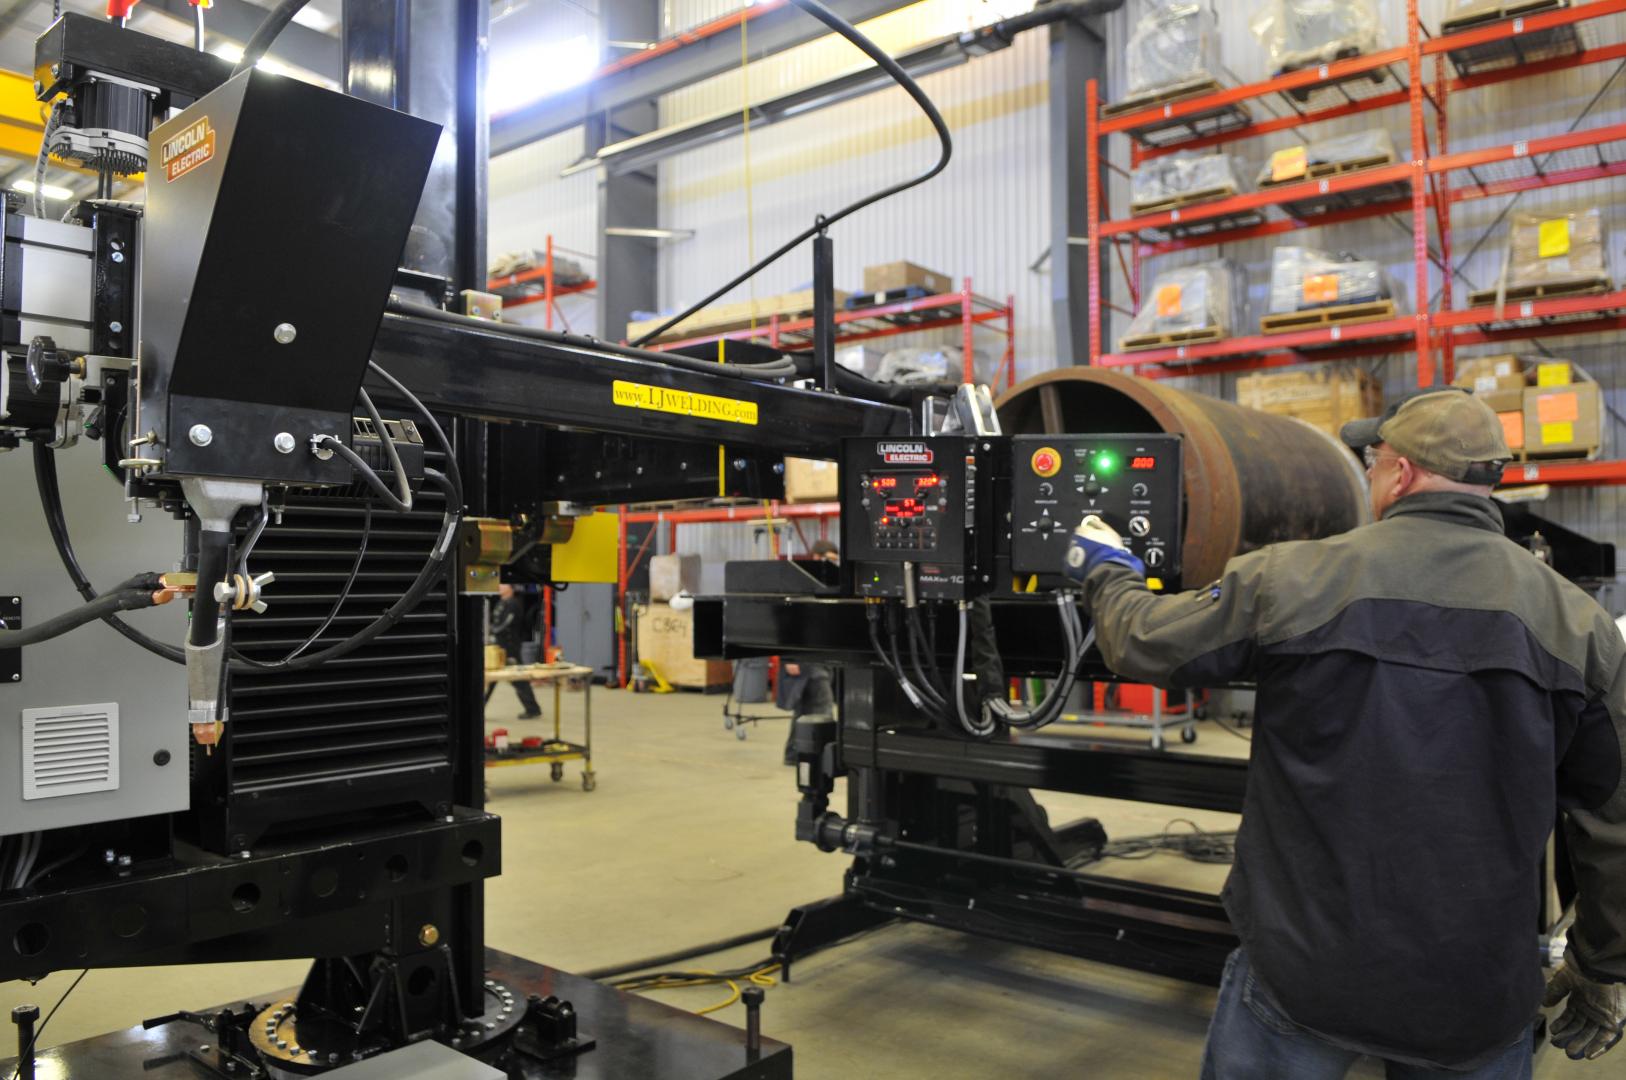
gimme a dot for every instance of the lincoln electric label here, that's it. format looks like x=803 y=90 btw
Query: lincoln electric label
x=191 y=148
x=905 y=453
x=684 y=403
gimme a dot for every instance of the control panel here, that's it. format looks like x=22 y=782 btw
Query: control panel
x=1133 y=482
x=911 y=507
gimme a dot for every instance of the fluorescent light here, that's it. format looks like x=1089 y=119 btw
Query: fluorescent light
x=522 y=73
x=229 y=51
x=50 y=191
x=648 y=234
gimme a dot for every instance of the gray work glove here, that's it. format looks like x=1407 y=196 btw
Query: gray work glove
x=1594 y=1016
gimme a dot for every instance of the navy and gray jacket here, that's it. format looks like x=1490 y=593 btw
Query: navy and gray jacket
x=1430 y=696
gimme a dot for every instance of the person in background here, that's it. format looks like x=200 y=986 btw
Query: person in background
x=805 y=688
x=510 y=629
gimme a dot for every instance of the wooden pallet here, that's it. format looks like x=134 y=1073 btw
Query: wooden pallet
x=1182 y=200
x=1494 y=13
x=1543 y=291
x=1163 y=95
x=1324 y=169
x=1287 y=322
x=1143 y=342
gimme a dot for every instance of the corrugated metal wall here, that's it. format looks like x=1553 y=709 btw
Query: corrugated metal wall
x=529 y=201
x=986 y=216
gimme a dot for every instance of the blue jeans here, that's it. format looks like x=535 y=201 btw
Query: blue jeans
x=1250 y=1039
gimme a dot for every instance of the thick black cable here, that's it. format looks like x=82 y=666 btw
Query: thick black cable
x=45 y=480
x=766 y=370
x=122 y=599
x=402 y=485
x=274 y=23
x=453 y=472
x=902 y=78
x=681 y=955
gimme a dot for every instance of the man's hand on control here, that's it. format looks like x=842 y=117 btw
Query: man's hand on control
x=1095 y=542
x=1593 y=1017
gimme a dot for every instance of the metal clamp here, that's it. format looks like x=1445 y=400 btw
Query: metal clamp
x=244 y=593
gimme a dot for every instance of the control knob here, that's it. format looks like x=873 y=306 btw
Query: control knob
x=1140 y=525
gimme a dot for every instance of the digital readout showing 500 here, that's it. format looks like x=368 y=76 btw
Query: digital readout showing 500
x=905 y=494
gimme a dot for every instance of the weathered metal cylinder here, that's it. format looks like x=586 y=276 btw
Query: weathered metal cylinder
x=1251 y=478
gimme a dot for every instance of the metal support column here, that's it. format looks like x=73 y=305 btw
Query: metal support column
x=1077 y=55
x=824 y=310
x=627 y=266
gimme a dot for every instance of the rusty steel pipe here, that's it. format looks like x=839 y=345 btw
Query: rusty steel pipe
x=1251 y=478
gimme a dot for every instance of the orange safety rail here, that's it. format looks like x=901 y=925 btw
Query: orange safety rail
x=1567 y=473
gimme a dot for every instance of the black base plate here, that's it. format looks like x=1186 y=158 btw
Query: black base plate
x=635 y=1037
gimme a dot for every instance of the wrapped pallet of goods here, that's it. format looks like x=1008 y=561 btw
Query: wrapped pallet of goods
x=1326 y=399
x=1188 y=306
x=1310 y=288
x=1173 y=48
x=1340 y=155
x=1305 y=33
x=1563 y=417
x=1183 y=179
x=1549 y=255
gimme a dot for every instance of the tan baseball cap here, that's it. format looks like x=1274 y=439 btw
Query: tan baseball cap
x=1444 y=430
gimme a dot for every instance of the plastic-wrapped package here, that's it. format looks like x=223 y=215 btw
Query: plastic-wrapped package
x=1206 y=296
x=934 y=365
x=1169 y=44
x=1185 y=174
x=1299 y=33
x=1303 y=278
x=1363 y=148
x=1547 y=249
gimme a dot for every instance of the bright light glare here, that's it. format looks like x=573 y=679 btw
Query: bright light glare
x=526 y=73
x=231 y=52
x=50 y=191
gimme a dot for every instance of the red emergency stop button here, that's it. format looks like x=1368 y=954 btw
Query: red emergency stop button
x=1047 y=461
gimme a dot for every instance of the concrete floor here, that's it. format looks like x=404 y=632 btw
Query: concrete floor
x=687 y=839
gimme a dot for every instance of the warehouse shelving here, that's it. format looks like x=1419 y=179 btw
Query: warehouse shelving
x=965 y=309
x=1428 y=172
x=541 y=286
x=1416 y=76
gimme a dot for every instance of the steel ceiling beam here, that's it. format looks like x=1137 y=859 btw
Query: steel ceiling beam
x=316 y=52
x=770 y=33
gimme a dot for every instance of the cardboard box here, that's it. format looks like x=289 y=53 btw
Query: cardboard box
x=902 y=275
x=809 y=480
x=1554 y=373
x=1325 y=399
x=672 y=574
x=1482 y=374
x=1502 y=401
x=1563 y=420
x=666 y=639
x=1546 y=249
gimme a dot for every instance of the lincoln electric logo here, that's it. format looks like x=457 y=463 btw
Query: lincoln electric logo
x=191 y=148
x=905 y=453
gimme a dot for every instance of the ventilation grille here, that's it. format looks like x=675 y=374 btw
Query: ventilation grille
x=71 y=750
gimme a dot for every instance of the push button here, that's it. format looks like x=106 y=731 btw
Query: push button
x=1046 y=461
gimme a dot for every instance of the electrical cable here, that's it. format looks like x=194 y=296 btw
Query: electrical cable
x=452 y=470
x=28 y=1051
x=127 y=597
x=401 y=482
x=823 y=222
x=45 y=479
x=681 y=955
x=275 y=21
x=344 y=593
x=52 y=122
x=56 y=864
x=365 y=471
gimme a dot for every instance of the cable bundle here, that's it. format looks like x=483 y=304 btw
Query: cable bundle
x=758 y=974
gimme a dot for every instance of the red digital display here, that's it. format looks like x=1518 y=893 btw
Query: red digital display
x=1146 y=462
x=903 y=508
x=884 y=482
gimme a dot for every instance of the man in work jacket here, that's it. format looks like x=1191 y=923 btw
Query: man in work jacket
x=1429 y=696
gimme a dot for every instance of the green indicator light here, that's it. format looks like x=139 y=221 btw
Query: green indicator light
x=1106 y=463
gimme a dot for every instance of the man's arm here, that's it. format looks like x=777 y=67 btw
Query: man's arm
x=1205 y=636
x=1592 y=787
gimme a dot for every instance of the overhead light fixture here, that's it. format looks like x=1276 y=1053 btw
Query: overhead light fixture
x=50 y=191
x=635 y=46
x=526 y=72
x=231 y=52
x=649 y=234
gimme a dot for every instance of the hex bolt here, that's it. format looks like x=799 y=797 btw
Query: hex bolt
x=285 y=333
x=116 y=327
x=117 y=256
x=24 y=1016
x=284 y=442
x=752 y=996
x=201 y=435
x=428 y=934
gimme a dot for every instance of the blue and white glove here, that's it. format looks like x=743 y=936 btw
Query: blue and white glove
x=1094 y=543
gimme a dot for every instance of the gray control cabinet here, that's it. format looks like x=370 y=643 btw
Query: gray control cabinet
x=92 y=728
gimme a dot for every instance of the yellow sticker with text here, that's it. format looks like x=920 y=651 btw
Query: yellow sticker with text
x=1554 y=434
x=1553 y=238
x=683 y=403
